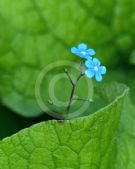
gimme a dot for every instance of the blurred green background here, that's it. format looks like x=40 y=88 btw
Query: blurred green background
x=34 y=33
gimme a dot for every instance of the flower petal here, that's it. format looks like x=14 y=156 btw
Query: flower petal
x=102 y=69
x=89 y=63
x=96 y=62
x=89 y=73
x=74 y=50
x=91 y=52
x=82 y=46
x=98 y=77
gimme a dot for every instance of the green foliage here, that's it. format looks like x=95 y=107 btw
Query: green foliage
x=103 y=140
x=36 y=33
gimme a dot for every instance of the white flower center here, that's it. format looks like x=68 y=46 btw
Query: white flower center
x=96 y=68
x=83 y=53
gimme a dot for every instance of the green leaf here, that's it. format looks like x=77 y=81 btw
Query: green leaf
x=105 y=139
x=37 y=33
x=126 y=135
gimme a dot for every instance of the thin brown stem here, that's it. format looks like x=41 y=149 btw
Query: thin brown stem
x=69 y=77
x=73 y=91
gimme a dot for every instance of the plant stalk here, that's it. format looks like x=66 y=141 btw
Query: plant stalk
x=73 y=91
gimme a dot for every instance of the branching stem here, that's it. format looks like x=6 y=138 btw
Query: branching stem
x=73 y=91
x=69 y=77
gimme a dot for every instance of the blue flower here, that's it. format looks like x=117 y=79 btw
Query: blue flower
x=82 y=51
x=94 y=69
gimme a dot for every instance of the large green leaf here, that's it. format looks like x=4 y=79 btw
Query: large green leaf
x=36 y=33
x=105 y=139
x=126 y=136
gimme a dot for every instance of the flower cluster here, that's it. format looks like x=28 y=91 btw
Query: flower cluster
x=93 y=65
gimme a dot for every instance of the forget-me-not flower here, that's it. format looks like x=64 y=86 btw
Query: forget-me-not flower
x=82 y=51
x=94 y=69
